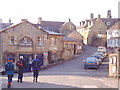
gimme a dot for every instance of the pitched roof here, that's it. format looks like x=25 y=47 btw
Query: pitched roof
x=112 y=21
x=75 y=34
x=49 y=32
x=51 y=25
x=69 y=39
x=53 y=33
x=116 y=26
x=5 y=25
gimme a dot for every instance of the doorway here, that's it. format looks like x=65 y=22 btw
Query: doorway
x=74 y=49
x=27 y=60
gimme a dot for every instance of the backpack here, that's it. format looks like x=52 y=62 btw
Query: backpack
x=20 y=63
x=35 y=64
x=9 y=66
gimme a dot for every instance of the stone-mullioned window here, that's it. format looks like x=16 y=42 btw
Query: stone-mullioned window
x=40 y=41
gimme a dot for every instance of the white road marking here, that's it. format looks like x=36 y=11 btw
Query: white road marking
x=104 y=82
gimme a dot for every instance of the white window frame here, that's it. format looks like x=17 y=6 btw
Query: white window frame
x=23 y=41
x=11 y=40
x=40 y=41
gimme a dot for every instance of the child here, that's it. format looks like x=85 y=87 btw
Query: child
x=9 y=68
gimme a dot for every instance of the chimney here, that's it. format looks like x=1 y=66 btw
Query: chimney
x=23 y=20
x=91 y=16
x=9 y=20
x=109 y=14
x=80 y=23
x=69 y=20
x=39 y=20
x=0 y=24
x=86 y=22
x=99 y=16
x=89 y=23
x=83 y=22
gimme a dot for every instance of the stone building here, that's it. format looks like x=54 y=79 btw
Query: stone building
x=5 y=25
x=94 y=30
x=113 y=36
x=70 y=48
x=27 y=40
x=66 y=28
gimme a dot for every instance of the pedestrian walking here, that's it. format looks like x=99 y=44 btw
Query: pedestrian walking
x=36 y=66
x=20 y=64
x=9 y=68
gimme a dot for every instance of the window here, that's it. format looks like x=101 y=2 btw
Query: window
x=53 y=40
x=11 y=39
x=40 y=40
x=25 y=41
x=108 y=23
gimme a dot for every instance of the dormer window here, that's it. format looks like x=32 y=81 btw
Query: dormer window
x=108 y=23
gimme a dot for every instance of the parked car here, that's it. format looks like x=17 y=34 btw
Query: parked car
x=101 y=54
x=99 y=58
x=101 y=49
x=91 y=62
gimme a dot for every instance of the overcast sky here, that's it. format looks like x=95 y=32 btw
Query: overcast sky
x=56 y=10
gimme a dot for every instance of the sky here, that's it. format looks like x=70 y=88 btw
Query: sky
x=56 y=10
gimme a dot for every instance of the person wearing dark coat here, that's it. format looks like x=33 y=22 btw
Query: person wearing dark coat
x=9 y=69
x=36 y=64
x=20 y=64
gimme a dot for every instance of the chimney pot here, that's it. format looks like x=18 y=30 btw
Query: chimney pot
x=80 y=23
x=99 y=16
x=69 y=20
x=91 y=16
x=39 y=20
x=83 y=22
x=9 y=20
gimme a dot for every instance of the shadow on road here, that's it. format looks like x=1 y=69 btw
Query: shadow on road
x=29 y=84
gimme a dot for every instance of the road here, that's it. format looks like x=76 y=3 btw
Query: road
x=70 y=74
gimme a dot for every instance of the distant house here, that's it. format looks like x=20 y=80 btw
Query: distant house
x=71 y=36
x=94 y=31
x=70 y=47
x=60 y=27
x=113 y=36
x=5 y=25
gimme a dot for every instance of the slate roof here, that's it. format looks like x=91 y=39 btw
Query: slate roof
x=112 y=21
x=51 y=25
x=69 y=39
x=5 y=25
x=52 y=33
x=49 y=32
x=116 y=26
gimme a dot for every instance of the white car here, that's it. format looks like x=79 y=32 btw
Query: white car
x=101 y=49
